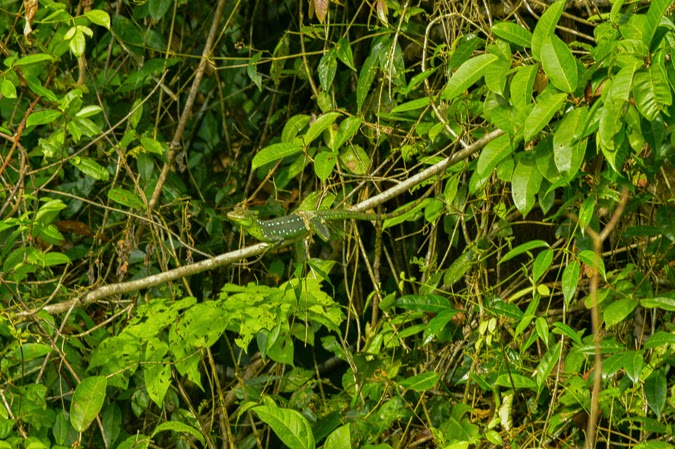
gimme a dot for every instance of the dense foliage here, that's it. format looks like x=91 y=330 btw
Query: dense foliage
x=528 y=301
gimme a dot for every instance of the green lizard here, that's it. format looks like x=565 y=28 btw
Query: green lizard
x=299 y=223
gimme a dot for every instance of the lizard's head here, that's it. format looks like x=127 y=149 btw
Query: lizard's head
x=242 y=217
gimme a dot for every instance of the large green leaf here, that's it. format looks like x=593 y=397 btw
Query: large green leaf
x=570 y=280
x=622 y=82
x=340 y=438
x=366 y=78
x=319 y=126
x=546 y=365
x=493 y=153
x=656 y=389
x=467 y=74
x=618 y=310
x=559 y=64
x=87 y=401
x=289 y=425
x=177 y=426
x=421 y=382
x=568 y=151
x=651 y=91
x=542 y=113
x=513 y=33
x=546 y=26
x=525 y=184
x=156 y=371
x=42 y=117
x=657 y=9
x=275 y=152
x=521 y=85
x=523 y=248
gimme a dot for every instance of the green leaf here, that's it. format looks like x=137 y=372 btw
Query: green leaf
x=151 y=145
x=424 y=303
x=35 y=85
x=465 y=47
x=319 y=126
x=42 y=117
x=252 y=70
x=90 y=168
x=546 y=26
x=519 y=382
x=663 y=303
x=87 y=402
x=493 y=153
x=570 y=280
x=344 y=53
x=633 y=361
x=33 y=59
x=178 y=426
x=496 y=74
x=346 y=131
x=48 y=211
x=561 y=328
x=622 y=83
x=340 y=438
x=593 y=260
x=326 y=69
x=293 y=126
x=459 y=267
x=156 y=371
x=660 y=338
x=611 y=123
x=525 y=184
x=126 y=198
x=275 y=152
x=541 y=325
x=547 y=364
x=366 y=78
x=88 y=111
x=355 y=159
x=559 y=64
x=412 y=105
x=513 y=33
x=541 y=264
x=412 y=214
x=324 y=163
x=289 y=425
x=617 y=311
x=651 y=91
x=657 y=9
x=7 y=89
x=158 y=8
x=656 y=388
x=467 y=74
x=99 y=17
x=522 y=84
x=586 y=212
x=55 y=258
x=77 y=43
x=568 y=151
x=525 y=247
x=542 y=113
x=421 y=382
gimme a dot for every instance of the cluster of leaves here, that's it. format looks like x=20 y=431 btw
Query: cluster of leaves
x=544 y=254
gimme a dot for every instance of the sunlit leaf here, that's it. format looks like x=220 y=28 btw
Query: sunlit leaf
x=289 y=425
x=513 y=33
x=87 y=401
x=467 y=74
x=559 y=64
x=546 y=26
